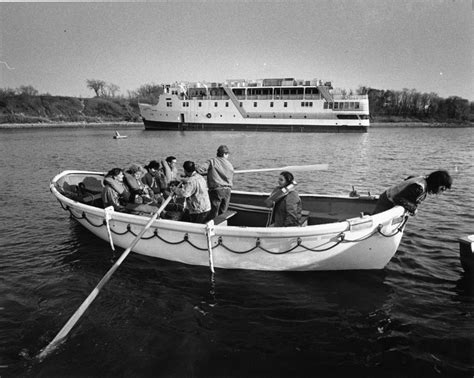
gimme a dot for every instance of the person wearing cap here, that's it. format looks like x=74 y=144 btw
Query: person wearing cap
x=411 y=192
x=220 y=174
x=194 y=190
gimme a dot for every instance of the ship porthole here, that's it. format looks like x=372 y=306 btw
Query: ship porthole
x=208 y=115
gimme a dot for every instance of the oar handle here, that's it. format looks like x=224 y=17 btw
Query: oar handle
x=83 y=307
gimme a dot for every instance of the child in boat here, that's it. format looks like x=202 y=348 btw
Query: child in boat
x=286 y=202
x=411 y=192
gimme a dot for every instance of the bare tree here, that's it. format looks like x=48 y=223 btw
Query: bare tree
x=111 y=89
x=97 y=86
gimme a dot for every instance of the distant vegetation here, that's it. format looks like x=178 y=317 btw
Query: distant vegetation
x=390 y=105
x=26 y=105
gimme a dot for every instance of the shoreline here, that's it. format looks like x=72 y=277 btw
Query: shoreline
x=414 y=125
x=118 y=124
x=125 y=124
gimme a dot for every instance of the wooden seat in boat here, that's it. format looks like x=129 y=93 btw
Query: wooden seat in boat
x=222 y=218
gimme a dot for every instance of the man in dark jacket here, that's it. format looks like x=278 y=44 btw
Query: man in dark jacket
x=411 y=192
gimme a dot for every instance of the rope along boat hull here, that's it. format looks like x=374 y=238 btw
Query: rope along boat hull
x=334 y=239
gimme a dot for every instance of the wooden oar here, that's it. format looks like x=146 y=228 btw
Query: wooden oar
x=290 y=168
x=83 y=307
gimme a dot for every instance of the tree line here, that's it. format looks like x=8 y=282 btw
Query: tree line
x=411 y=103
x=145 y=93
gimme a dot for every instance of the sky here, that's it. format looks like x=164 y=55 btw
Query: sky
x=55 y=47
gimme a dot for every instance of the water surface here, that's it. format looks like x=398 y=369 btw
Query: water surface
x=154 y=317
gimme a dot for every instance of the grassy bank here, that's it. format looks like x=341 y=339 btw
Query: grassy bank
x=55 y=110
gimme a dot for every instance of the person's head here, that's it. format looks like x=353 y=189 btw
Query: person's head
x=438 y=181
x=153 y=166
x=285 y=179
x=189 y=167
x=171 y=160
x=135 y=170
x=222 y=151
x=115 y=173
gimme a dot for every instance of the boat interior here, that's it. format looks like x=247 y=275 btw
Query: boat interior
x=245 y=210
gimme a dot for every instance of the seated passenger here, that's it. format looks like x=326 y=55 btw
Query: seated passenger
x=170 y=169
x=116 y=194
x=286 y=202
x=194 y=189
x=155 y=180
x=137 y=188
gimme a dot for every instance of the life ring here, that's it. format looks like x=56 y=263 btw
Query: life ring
x=208 y=115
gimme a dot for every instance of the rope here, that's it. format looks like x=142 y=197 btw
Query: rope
x=258 y=243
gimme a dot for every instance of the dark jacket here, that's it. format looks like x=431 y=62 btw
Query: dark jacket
x=287 y=211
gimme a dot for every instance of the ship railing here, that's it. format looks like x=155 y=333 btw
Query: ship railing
x=223 y=97
x=349 y=97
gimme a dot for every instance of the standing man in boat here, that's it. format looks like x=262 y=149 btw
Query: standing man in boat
x=411 y=192
x=220 y=175
x=194 y=189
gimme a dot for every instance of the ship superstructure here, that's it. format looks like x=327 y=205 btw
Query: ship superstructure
x=282 y=104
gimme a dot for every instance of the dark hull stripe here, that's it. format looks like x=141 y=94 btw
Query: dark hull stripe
x=155 y=125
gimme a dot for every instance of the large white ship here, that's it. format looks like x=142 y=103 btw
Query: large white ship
x=260 y=105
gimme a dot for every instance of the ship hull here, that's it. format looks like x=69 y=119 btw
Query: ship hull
x=199 y=126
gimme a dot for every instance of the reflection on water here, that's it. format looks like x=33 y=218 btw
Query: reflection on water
x=413 y=317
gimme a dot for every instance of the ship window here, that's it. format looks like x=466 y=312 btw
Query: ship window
x=330 y=105
x=271 y=104
x=351 y=105
x=303 y=104
x=357 y=105
x=226 y=104
x=346 y=105
x=363 y=116
x=285 y=104
x=326 y=105
x=241 y=104
x=311 y=104
x=347 y=116
x=215 y=104
x=199 y=104
x=254 y=104
x=336 y=105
